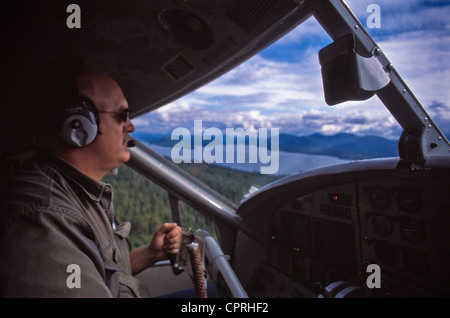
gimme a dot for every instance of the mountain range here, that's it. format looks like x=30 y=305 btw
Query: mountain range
x=342 y=145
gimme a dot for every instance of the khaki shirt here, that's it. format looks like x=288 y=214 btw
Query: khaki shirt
x=58 y=237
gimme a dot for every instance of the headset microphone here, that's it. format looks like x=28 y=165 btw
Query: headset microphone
x=131 y=143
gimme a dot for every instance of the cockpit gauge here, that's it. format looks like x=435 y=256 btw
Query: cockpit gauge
x=379 y=198
x=382 y=225
x=408 y=200
x=412 y=230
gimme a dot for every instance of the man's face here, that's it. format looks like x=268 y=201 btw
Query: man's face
x=110 y=146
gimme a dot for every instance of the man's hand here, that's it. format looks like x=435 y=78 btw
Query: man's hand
x=166 y=240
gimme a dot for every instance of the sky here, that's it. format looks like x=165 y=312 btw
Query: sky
x=281 y=87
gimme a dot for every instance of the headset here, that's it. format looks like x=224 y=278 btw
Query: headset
x=77 y=121
x=80 y=121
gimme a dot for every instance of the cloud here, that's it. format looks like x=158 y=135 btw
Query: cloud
x=441 y=115
x=401 y=16
x=305 y=122
x=267 y=85
x=270 y=90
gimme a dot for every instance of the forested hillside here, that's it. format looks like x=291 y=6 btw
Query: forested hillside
x=146 y=206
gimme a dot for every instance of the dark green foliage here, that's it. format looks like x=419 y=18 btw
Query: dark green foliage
x=146 y=206
x=140 y=202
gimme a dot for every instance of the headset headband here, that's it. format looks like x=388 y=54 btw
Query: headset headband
x=79 y=120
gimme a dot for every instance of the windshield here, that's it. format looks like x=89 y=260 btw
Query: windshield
x=415 y=37
x=278 y=96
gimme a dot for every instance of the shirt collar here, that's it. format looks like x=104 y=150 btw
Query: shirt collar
x=95 y=189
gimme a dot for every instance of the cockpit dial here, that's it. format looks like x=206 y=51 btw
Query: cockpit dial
x=412 y=230
x=382 y=225
x=379 y=198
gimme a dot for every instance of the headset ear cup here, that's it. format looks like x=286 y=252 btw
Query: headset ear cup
x=80 y=122
x=78 y=131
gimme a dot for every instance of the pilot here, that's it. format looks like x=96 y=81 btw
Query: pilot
x=58 y=233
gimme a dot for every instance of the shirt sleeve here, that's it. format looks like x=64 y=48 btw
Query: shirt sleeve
x=49 y=254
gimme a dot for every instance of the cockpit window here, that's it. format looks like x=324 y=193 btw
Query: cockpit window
x=276 y=101
x=414 y=36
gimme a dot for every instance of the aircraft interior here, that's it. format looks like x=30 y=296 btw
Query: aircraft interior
x=312 y=234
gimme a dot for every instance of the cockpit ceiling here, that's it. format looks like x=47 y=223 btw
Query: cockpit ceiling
x=157 y=50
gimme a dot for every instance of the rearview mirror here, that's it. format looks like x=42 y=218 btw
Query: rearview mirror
x=346 y=75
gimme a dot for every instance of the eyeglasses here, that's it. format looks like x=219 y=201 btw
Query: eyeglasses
x=122 y=116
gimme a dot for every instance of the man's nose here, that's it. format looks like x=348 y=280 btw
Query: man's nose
x=130 y=126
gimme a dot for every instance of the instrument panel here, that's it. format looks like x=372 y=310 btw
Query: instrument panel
x=331 y=235
x=404 y=229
